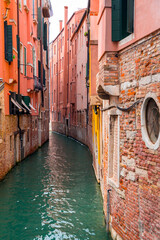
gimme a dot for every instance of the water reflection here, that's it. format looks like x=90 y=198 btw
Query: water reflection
x=53 y=194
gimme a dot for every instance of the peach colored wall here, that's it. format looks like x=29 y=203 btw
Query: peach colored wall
x=94 y=7
x=94 y=27
x=94 y=68
x=104 y=29
x=93 y=48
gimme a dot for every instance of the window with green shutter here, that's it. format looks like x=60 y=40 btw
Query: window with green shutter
x=25 y=61
x=39 y=71
x=130 y=16
x=47 y=57
x=44 y=77
x=45 y=36
x=8 y=42
x=39 y=23
x=122 y=18
x=116 y=20
x=18 y=49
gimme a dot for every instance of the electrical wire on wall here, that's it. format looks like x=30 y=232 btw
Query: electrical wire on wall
x=123 y=109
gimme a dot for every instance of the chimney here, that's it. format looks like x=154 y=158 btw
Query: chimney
x=65 y=15
x=60 y=25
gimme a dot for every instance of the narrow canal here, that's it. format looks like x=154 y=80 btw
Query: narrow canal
x=53 y=194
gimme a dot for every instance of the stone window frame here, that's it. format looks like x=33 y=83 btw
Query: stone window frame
x=145 y=136
x=114 y=184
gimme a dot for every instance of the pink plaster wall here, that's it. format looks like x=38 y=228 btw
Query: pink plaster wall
x=81 y=68
x=147 y=20
x=94 y=8
x=66 y=74
x=94 y=68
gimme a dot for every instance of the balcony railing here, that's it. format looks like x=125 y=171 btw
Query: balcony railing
x=47 y=9
x=37 y=84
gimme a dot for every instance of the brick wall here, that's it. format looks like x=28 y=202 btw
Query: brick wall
x=108 y=69
x=10 y=139
x=134 y=204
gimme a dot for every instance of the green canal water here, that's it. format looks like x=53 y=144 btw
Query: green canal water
x=53 y=194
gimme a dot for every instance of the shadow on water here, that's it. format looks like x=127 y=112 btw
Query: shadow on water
x=53 y=194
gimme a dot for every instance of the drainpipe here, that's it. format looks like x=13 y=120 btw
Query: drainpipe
x=108 y=209
x=18 y=116
x=57 y=83
x=19 y=53
x=68 y=69
x=41 y=56
x=88 y=64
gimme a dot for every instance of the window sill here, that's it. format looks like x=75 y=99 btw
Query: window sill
x=112 y=183
x=26 y=8
x=126 y=40
x=35 y=21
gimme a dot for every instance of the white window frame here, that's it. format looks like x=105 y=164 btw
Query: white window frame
x=24 y=61
x=145 y=136
x=21 y=58
x=34 y=62
x=114 y=184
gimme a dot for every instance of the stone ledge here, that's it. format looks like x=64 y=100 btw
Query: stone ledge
x=105 y=91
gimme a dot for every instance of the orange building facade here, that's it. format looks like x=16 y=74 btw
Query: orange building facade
x=24 y=75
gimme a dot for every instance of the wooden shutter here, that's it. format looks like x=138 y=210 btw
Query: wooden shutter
x=18 y=49
x=26 y=100
x=122 y=19
x=39 y=23
x=130 y=16
x=44 y=77
x=39 y=71
x=47 y=57
x=124 y=32
x=8 y=42
x=5 y=38
x=45 y=36
x=116 y=20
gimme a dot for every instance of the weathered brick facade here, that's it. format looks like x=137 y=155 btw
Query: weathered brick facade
x=134 y=203
x=11 y=152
